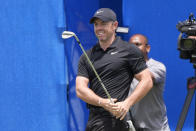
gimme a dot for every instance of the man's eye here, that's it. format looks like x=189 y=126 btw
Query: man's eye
x=138 y=44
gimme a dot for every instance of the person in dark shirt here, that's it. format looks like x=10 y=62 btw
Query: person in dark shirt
x=116 y=62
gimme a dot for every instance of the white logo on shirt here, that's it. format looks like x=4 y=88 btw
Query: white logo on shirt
x=112 y=53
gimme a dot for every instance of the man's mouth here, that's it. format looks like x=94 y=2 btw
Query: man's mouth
x=100 y=34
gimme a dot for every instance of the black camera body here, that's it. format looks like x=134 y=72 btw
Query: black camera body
x=187 y=39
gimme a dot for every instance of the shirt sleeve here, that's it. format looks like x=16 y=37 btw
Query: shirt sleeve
x=159 y=72
x=136 y=60
x=82 y=67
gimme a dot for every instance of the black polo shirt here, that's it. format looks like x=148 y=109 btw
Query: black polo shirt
x=116 y=67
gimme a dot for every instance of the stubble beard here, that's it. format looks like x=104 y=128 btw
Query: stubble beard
x=105 y=39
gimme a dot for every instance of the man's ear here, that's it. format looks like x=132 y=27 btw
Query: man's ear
x=115 y=24
x=148 y=48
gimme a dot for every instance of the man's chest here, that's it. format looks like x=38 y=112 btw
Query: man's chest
x=113 y=60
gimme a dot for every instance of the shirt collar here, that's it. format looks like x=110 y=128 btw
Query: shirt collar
x=113 y=45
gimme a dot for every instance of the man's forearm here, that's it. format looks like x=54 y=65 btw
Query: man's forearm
x=143 y=87
x=87 y=95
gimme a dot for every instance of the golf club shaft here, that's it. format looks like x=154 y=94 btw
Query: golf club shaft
x=107 y=93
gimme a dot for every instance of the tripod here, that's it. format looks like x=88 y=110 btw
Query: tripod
x=191 y=86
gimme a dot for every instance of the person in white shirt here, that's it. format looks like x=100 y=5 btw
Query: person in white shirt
x=150 y=114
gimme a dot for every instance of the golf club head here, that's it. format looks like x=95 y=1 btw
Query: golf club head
x=67 y=34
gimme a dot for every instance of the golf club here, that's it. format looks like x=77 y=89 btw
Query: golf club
x=68 y=34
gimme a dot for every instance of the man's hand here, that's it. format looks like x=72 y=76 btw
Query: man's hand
x=121 y=109
x=109 y=105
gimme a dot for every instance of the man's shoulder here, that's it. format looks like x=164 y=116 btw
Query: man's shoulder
x=154 y=63
x=127 y=46
x=121 y=41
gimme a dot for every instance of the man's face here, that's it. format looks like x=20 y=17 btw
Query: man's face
x=104 y=30
x=141 y=43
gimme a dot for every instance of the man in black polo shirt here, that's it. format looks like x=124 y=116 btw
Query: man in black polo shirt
x=116 y=62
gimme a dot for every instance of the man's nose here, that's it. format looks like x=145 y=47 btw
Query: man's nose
x=98 y=27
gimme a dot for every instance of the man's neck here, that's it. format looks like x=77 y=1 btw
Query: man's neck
x=146 y=58
x=105 y=44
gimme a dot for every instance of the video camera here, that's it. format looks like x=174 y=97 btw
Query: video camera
x=187 y=39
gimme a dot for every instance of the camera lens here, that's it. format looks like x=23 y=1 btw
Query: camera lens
x=187 y=44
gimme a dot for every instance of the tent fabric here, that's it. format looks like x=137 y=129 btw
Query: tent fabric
x=32 y=66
